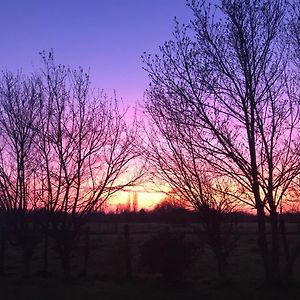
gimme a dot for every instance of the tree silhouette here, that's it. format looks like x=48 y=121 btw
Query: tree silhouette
x=20 y=100
x=86 y=150
x=174 y=160
x=65 y=150
x=227 y=78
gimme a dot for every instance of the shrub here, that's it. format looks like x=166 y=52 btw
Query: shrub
x=168 y=254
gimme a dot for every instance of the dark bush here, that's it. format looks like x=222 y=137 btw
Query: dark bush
x=168 y=254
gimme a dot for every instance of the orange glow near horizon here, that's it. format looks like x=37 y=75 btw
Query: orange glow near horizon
x=146 y=200
x=148 y=194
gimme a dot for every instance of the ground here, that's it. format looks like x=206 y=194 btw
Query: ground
x=106 y=278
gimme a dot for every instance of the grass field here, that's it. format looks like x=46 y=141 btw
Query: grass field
x=106 y=271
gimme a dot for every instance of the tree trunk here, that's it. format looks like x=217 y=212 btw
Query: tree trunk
x=2 y=251
x=275 y=264
x=222 y=268
x=284 y=239
x=27 y=256
x=45 y=254
x=86 y=252
x=263 y=243
x=127 y=252
x=287 y=273
x=65 y=263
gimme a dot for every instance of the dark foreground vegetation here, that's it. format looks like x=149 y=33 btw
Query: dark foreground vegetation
x=160 y=254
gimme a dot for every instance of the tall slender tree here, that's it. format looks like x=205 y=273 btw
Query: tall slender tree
x=87 y=152
x=65 y=150
x=228 y=78
x=174 y=160
x=20 y=99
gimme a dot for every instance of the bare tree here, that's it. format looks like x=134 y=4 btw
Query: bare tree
x=87 y=153
x=227 y=76
x=20 y=99
x=174 y=160
x=293 y=30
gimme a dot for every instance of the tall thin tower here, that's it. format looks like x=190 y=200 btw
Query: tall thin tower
x=135 y=201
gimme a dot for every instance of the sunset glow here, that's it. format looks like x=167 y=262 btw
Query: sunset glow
x=146 y=200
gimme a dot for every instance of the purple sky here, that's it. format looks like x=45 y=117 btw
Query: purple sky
x=107 y=36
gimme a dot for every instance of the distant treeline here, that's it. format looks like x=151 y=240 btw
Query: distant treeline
x=163 y=213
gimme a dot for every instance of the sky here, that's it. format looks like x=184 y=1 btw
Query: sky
x=107 y=37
